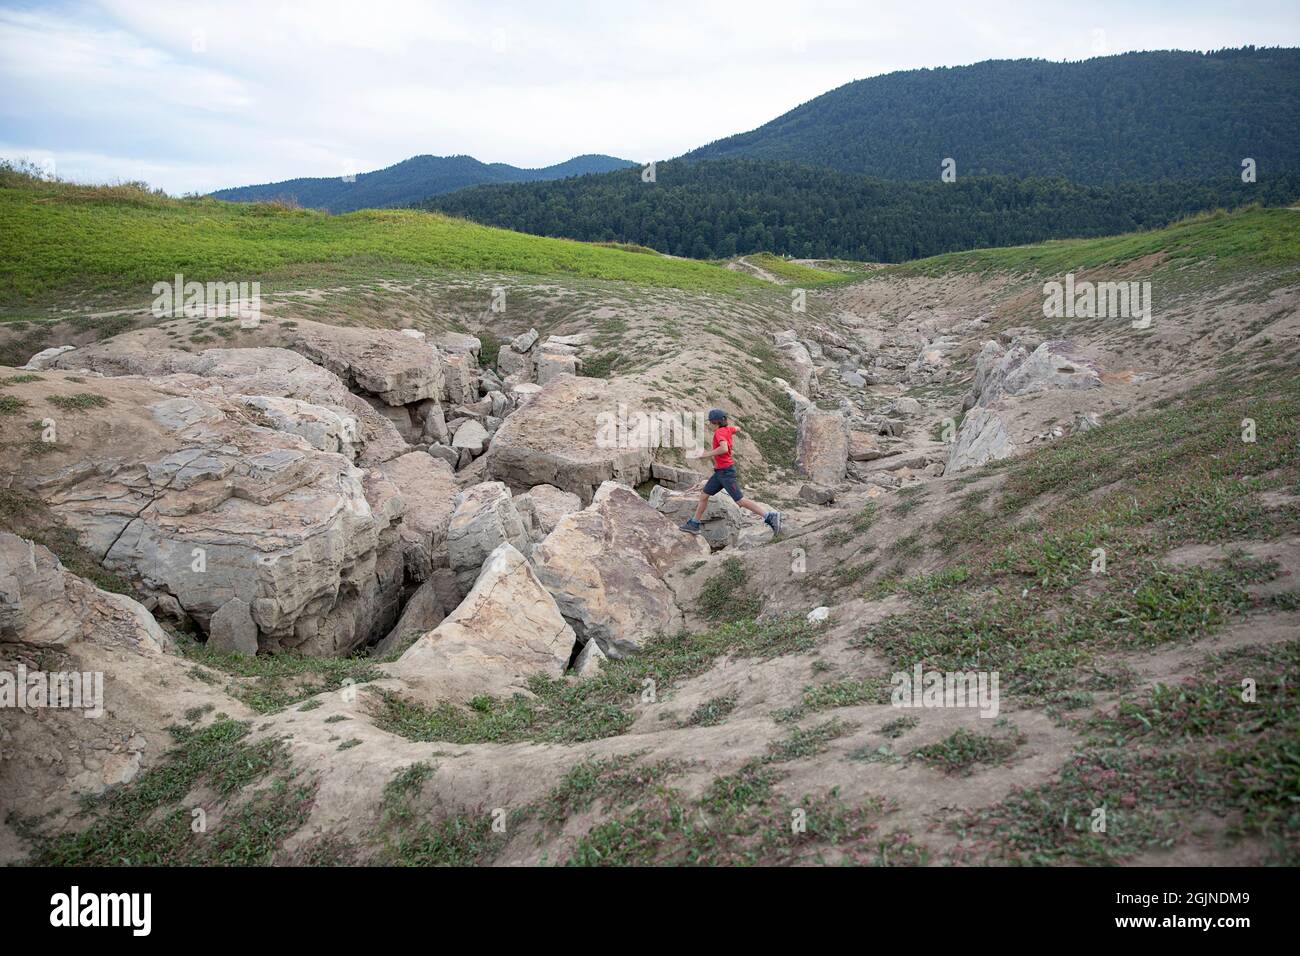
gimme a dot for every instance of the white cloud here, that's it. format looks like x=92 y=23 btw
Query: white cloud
x=199 y=95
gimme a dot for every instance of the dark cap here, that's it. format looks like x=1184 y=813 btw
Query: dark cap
x=717 y=415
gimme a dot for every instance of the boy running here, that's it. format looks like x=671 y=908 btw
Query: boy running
x=724 y=476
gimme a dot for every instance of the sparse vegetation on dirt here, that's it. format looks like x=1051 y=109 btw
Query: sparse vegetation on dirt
x=1156 y=760
x=151 y=823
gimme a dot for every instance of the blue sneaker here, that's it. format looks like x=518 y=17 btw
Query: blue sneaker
x=773 y=520
x=692 y=526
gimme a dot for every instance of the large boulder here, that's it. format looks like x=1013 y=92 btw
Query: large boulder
x=524 y=341
x=471 y=436
x=514 y=365
x=484 y=518
x=1054 y=364
x=87 y=653
x=43 y=604
x=543 y=506
x=864 y=446
x=181 y=491
x=1015 y=371
x=803 y=368
x=326 y=429
x=461 y=378
x=577 y=340
x=507 y=630
x=822 y=441
x=982 y=437
x=45 y=358
x=607 y=565
x=427 y=486
x=432 y=419
x=567 y=436
x=460 y=343
x=395 y=368
x=551 y=365
x=259 y=373
x=232 y=629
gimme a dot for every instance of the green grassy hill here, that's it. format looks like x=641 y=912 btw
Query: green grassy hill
x=59 y=237
x=1251 y=237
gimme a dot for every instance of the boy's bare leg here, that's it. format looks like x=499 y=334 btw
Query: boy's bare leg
x=750 y=504
x=699 y=509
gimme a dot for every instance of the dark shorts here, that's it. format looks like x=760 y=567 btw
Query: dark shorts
x=724 y=478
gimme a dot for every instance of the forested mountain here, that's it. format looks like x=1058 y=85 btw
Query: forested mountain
x=410 y=181
x=725 y=207
x=1137 y=117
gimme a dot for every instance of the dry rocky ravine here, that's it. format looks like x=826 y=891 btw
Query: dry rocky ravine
x=386 y=568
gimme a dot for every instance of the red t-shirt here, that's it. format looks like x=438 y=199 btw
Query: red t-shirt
x=719 y=436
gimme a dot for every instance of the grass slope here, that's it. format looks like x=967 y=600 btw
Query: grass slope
x=59 y=236
x=1249 y=237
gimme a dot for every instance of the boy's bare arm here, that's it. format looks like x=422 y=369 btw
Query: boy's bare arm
x=722 y=449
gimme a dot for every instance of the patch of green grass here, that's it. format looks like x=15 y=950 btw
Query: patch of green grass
x=1250 y=236
x=1033 y=601
x=960 y=752
x=603 y=365
x=272 y=682
x=841 y=693
x=906 y=546
x=845 y=575
x=808 y=742
x=405 y=785
x=899 y=726
x=193 y=714
x=10 y=405
x=23 y=379
x=408 y=838
x=462 y=840
x=799 y=274
x=776 y=438
x=726 y=597
x=619 y=781
x=489 y=350
x=873 y=754
x=712 y=711
x=1039 y=645
x=905 y=507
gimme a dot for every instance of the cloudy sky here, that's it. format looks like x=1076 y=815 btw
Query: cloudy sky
x=196 y=96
